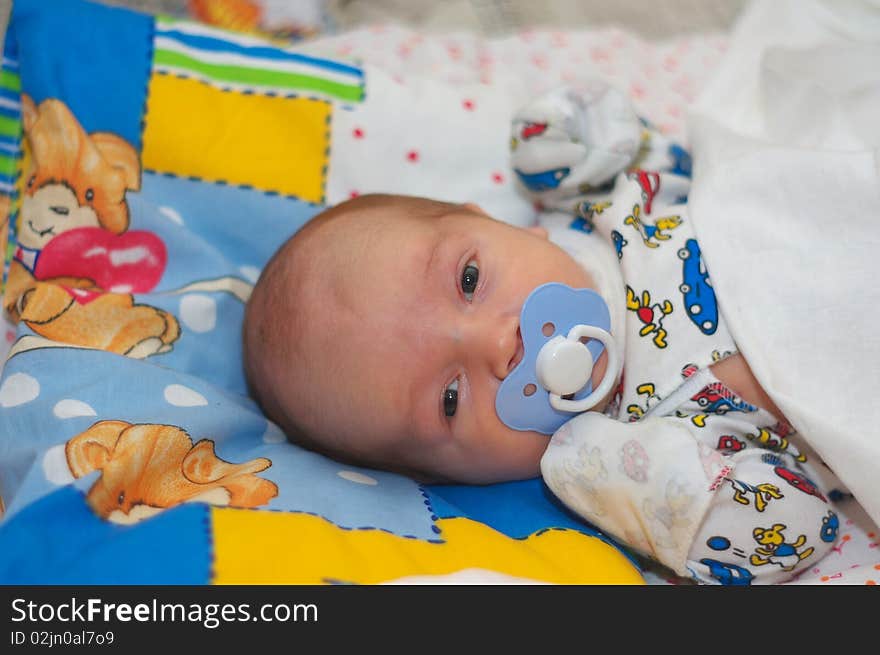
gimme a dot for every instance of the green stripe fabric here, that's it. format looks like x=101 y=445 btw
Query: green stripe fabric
x=258 y=76
x=8 y=165
x=10 y=127
x=10 y=80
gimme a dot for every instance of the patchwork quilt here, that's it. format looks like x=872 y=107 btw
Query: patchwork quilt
x=149 y=167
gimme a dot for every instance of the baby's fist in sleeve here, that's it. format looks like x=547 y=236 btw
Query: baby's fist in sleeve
x=574 y=139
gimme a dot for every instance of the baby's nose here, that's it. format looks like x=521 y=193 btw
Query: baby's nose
x=505 y=347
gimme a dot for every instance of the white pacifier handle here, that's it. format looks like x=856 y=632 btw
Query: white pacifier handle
x=564 y=366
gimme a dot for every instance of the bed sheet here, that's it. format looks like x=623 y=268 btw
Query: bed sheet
x=661 y=77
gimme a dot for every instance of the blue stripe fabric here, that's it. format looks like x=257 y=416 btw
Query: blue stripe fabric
x=10 y=146
x=9 y=94
x=210 y=44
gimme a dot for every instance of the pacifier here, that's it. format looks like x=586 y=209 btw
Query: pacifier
x=564 y=330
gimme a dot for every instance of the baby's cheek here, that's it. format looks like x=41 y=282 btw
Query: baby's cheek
x=579 y=278
x=524 y=451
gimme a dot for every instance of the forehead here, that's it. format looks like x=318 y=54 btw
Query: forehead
x=376 y=310
x=381 y=260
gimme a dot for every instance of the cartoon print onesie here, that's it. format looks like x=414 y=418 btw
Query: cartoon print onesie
x=677 y=467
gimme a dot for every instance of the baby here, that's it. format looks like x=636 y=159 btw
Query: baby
x=380 y=333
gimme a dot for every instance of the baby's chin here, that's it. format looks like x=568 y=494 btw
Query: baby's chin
x=519 y=458
x=481 y=477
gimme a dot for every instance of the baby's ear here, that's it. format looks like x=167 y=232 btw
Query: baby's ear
x=475 y=208
x=538 y=231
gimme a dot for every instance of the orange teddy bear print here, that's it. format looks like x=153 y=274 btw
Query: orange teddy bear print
x=72 y=239
x=146 y=468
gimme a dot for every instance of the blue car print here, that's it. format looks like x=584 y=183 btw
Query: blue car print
x=699 y=296
x=729 y=575
x=619 y=243
x=582 y=224
x=545 y=180
x=830 y=526
x=681 y=160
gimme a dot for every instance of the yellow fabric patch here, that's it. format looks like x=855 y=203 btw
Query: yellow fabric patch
x=252 y=547
x=271 y=143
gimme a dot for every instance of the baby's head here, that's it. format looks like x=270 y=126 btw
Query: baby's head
x=380 y=333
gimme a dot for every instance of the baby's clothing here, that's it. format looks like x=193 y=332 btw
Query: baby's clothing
x=678 y=466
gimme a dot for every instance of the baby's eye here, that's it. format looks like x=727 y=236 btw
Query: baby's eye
x=469 y=278
x=450 y=398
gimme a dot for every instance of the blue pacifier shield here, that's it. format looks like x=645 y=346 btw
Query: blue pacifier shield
x=563 y=307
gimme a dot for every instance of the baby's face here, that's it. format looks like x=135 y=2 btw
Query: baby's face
x=419 y=326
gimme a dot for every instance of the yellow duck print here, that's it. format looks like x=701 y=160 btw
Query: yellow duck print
x=655 y=231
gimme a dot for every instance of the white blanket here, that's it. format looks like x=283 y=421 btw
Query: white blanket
x=786 y=205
